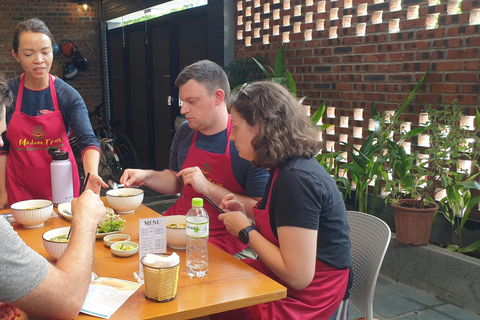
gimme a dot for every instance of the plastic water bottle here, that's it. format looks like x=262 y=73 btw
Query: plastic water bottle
x=197 y=239
x=61 y=176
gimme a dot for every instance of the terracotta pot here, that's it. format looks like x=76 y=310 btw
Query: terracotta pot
x=412 y=225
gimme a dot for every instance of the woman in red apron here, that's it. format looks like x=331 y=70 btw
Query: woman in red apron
x=37 y=122
x=301 y=232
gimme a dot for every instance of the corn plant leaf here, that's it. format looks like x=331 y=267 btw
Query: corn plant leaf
x=279 y=63
x=410 y=96
x=318 y=114
x=265 y=72
x=478 y=119
x=473 y=247
x=453 y=248
x=472 y=203
x=290 y=82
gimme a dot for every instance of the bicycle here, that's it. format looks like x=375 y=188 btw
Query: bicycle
x=117 y=152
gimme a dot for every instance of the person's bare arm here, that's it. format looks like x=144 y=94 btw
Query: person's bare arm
x=200 y=184
x=91 y=157
x=293 y=260
x=3 y=182
x=162 y=181
x=62 y=293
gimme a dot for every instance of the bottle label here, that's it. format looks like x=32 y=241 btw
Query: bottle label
x=197 y=228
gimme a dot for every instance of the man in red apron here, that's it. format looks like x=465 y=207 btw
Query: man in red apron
x=202 y=156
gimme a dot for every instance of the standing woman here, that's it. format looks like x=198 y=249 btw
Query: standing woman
x=43 y=111
x=301 y=232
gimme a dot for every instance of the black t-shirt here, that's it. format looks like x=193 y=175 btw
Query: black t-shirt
x=305 y=195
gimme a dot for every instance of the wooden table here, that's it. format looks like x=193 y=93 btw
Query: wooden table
x=230 y=283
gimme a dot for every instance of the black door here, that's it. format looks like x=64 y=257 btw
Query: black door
x=148 y=57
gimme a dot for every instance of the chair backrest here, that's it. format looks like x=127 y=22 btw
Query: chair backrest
x=370 y=237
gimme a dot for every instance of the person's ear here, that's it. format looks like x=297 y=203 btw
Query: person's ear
x=15 y=55
x=219 y=96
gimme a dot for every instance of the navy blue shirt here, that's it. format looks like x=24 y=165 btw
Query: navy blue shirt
x=71 y=104
x=252 y=179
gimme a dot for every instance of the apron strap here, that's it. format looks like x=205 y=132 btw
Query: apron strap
x=53 y=93
x=229 y=131
x=18 y=105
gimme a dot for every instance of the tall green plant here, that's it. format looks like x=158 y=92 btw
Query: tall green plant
x=279 y=73
x=370 y=163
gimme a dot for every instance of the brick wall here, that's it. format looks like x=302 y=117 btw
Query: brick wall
x=350 y=53
x=66 y=20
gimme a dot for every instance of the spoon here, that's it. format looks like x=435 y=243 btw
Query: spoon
x=115 y=185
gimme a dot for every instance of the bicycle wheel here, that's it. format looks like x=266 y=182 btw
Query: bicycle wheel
x=126 y=152
x=113 y=163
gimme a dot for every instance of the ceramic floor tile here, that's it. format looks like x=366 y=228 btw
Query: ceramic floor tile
x=353 y=312
x=424 y=315
x=382 y=282
x=388 y=304
x=457 y=313
x=415 y=295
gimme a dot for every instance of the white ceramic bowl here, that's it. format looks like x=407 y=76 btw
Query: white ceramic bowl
x=32 y=213
x=117 y=237
x=55 y=249
x=176 y=238
x=125 y=200
x=124 y=253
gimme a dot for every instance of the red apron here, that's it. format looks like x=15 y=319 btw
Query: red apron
x=217 y=168
x=317 y=301
x=28 y=162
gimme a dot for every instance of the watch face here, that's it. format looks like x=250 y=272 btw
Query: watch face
x=243 y=236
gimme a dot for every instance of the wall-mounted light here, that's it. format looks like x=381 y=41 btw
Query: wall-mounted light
x=84 y=4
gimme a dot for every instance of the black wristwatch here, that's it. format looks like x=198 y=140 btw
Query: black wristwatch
x=243 y=234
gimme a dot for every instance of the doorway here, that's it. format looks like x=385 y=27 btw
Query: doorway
x=144 y=61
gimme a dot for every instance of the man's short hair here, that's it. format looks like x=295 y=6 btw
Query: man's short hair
x=208 y=73
x=6 y=96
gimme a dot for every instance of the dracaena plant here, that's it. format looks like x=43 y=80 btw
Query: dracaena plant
x=370 y=163
x=436 y=167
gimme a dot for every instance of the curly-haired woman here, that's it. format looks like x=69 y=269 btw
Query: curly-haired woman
x=301 y=232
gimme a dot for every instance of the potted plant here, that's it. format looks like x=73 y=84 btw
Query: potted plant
x=369 y=164
x=413 y=180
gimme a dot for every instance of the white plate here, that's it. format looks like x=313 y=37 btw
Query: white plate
x=101 y=235
x=65 y=210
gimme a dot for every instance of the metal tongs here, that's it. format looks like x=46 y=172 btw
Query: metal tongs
x=216 y=206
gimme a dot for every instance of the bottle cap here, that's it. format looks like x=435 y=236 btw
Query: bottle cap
x=58 y=154
x=197 y=202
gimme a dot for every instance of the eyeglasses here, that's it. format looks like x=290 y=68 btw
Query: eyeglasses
x=242 y=90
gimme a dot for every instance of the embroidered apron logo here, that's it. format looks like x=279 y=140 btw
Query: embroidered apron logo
x=38 y=133
x=205 y=169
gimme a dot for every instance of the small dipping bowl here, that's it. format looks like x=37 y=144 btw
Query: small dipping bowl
x=116 y=248
x=117 y=237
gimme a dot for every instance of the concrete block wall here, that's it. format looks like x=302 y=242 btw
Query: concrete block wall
x=66 y=20
x=451 y=276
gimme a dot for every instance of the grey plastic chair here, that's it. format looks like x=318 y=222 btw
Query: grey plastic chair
x=370 y=237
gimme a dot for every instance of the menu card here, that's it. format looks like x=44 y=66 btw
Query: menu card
x=106 y=295
x=152 y=236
